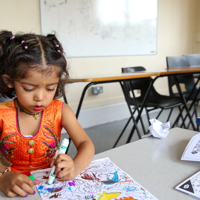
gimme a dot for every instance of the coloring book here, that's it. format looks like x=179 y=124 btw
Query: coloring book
x=192 y=150
x=101 y=180
x=191 y=185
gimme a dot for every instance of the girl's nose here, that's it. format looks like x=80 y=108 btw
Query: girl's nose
x=39 y=95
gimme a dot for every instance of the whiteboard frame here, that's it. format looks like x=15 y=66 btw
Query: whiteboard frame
x=100 y=55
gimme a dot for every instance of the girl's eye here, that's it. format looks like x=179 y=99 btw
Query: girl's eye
x=50 y=89
x=28 y=90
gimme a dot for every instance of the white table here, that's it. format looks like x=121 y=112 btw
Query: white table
x=153 y=163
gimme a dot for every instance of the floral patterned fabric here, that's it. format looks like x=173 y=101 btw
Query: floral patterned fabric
x=25 y=154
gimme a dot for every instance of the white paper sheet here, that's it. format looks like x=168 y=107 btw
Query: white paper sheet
x=159 y=129
x=191 y=185
x=192 y=150
x=102 y=180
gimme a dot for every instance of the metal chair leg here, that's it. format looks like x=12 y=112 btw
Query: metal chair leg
x=179 y=116
x=170 y=113
x=130 y=135
x=184 y=102
x=159 y=114
x=122 y=133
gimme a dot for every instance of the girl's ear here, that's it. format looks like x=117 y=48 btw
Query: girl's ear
x=7 y=80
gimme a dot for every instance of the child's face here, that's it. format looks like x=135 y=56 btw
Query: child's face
x=36 y=91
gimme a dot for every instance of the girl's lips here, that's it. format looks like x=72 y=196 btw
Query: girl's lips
x=38 y=108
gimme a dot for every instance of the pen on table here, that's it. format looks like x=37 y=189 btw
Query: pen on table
x=62 y=150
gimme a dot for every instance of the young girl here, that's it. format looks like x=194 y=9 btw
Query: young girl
x=33 y=72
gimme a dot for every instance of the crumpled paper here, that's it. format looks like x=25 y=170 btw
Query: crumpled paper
x=158 y=129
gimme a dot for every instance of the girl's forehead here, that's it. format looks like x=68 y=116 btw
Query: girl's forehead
x=52 y=71
x=38 y=78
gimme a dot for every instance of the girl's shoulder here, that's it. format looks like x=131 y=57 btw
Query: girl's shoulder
x=53 y=112
x=55 y=102
x=55 y=106
x=7 y=109
x=7 y=105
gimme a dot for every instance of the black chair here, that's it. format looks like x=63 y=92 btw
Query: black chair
x=193 y=59
x=3 y=99
x=185 y=79
x=153 y=101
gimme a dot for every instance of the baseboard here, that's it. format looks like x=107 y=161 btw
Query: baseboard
x=101 y=115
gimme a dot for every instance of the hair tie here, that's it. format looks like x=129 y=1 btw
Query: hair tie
x=12 y=37
x=25 y=47
x=57 y=46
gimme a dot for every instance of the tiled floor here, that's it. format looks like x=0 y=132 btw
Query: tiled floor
x=104 y=136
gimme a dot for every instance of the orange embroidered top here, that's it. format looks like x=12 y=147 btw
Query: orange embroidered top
x=25 y=154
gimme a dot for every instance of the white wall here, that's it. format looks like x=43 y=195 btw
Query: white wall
x=20 y=15
x=197 y=35
x=178 y=24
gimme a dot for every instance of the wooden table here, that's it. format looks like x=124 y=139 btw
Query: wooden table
x=94 y=80
x=154 y=163
x=180 y=70
x=116 y=77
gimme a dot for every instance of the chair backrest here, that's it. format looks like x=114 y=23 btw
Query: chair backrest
x=193 y=59
x=133 y=69
x=3 y=99
x=140 y=84
x=177 y=61
x=186 y=79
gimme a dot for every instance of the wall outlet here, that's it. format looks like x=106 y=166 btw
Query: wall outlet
x=97 y=90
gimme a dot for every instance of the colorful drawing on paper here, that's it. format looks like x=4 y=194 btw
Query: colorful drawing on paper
x=102 y=180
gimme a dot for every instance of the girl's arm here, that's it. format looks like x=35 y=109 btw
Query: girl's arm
x=68 y=168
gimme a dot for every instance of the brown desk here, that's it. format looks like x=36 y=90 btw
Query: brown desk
x=180 y=70
x=116 y=77
x=94 y=80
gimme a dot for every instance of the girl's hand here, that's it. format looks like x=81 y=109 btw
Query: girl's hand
x=13 y=184
x=66 y=168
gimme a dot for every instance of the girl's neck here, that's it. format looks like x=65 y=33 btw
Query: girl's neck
x=25 y=121
x=21 y=109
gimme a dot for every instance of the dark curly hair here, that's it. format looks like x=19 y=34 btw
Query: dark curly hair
x=21 y=52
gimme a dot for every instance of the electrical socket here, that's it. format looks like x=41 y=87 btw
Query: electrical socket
x=97 y=90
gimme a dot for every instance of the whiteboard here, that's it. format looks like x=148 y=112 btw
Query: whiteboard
x=88 y=28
